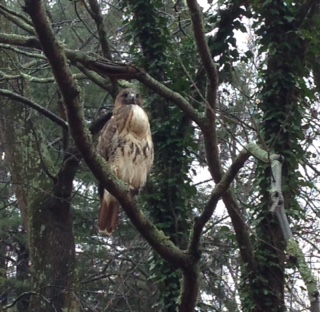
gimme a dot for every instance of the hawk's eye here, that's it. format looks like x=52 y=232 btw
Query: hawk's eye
x=137 y=95
x=126 y=94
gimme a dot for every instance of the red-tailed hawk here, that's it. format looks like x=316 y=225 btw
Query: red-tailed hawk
x=126 y=143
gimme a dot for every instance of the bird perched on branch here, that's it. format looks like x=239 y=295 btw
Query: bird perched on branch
x=126 y=143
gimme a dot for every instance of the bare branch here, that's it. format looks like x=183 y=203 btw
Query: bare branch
x=204 y=52
x=106 y=52
x=234 y=212
x=277 y=199
x=209 y=128
x=10 y=305
x=97 y=17
x=95 y=127
x=221 y=188
x=107 y=68
x=17 y=97
x=172 y=96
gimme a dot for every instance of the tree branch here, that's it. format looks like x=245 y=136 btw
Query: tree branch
x=23 y=52
x=208 y=128
x=294 y=250
x=95 y=78
x=219 y=191
x=221 y=188
x=17 y=97
x=172 y=96
x=21 y=41
x=18 y=19
x=96 y=15
x=10 y=305
x=107 y=68
x=204 y=52
x=55 y=54
x=106 y=51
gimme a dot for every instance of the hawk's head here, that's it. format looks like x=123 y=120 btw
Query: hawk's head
x=129 y=96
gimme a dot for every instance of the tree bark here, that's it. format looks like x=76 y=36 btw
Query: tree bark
x=14 y=139
x=52 y=243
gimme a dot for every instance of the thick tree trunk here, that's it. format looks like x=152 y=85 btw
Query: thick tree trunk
x=52 y=251
x=12 y=138
x=23 y=273
x=281 y=130
x=52 y=244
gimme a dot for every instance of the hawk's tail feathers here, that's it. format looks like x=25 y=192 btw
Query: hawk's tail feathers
x=109 y=213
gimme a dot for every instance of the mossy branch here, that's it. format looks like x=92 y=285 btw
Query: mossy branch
x=294 y=250
x=17 y=18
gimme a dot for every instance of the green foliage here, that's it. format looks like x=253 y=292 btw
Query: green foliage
x=148 y=29
x=224 y=44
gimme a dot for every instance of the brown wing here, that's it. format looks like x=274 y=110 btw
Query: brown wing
x=109 y=139
x=109 y=207
x=106 y=138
